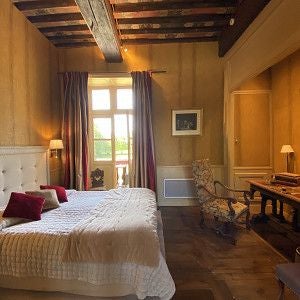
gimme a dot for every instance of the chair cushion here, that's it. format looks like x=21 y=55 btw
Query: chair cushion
x=289 y=274
x=219 y=208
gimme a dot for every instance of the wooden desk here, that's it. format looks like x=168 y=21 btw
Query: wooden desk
x=274 y=192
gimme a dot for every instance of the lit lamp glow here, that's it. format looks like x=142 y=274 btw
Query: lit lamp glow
x=54 y=146
x=287 y=149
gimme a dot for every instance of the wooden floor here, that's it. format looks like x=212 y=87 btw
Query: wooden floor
x=203 y=263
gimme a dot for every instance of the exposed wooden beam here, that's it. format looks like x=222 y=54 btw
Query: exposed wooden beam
x=74 y=38
x=171 y=30
x=160 y=41
x=51 y=11
x=172 y=25
x=55 y=18
x=246 y=12
x=41 y=4
x=98 y=15
x=174 y=12
x=155 y=36
x=65 y=28
x=166 y=5
x=76 y=44
x=177 y=19
x=154 y=2
x=59 y=24
x=68 y=33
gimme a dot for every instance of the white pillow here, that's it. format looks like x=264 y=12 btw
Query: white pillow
x=6 y=222
x=50 y=196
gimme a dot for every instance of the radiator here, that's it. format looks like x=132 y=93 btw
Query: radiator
x=179 y=188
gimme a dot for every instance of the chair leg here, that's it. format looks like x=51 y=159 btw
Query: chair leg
x=248 y=225
x=201 y=222
x=281 y=293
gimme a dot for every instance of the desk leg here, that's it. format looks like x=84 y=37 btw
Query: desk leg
x=261 y=217
x=295 y=220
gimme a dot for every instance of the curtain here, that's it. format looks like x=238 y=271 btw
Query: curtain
x=75 y=129
x=143 y=164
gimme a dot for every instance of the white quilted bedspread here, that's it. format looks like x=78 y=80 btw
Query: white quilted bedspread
x=35 y=249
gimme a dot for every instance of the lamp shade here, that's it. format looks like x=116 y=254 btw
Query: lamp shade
x=56 y=144
x=286 y=149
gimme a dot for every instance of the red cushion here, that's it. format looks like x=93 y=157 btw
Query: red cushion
x=60 y=191
x=24 y=206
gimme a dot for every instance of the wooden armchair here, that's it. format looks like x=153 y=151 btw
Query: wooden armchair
x=226 y=210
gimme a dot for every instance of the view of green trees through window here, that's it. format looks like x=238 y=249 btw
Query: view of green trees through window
x=113 y=133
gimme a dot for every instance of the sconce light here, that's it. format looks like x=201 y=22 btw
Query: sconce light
x=54 y=146
x=287 y=149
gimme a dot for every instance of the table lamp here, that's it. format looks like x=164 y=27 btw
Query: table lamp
x=287 y=149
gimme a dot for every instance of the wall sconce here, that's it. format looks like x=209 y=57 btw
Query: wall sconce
x=287 y=149
x=54 y=146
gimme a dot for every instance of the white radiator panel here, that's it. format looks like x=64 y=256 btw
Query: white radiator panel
x=179 y=188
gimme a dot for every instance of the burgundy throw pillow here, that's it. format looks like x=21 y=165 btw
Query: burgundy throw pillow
x=60 y=191
x=24 y=206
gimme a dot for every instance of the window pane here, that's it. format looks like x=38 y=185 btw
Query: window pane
x=100 y=100
x=102 y=128
x=102 y=150
x=121 y=138
x=124 y=98
x=130 y=125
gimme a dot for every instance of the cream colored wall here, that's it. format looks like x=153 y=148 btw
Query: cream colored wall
x=30 y=113
x=286 y=109
x=193 y=79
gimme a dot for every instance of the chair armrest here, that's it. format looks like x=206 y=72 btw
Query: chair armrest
x=245 y=192
x=230 y=200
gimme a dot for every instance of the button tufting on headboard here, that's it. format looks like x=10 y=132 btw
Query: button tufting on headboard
x=23 y=168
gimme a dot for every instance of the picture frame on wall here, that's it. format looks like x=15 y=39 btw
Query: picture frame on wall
x=187 y=122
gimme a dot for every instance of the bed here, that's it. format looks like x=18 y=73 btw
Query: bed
x=39 y=255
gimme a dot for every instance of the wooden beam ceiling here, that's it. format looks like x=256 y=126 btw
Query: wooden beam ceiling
x=98 y=15
x=110 y=23
x=246 y=12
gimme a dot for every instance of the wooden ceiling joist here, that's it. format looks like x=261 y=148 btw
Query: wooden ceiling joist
x=76 y=44
x=71 y=28
x=99 y=18
x=55 y=18
x=173 y=12
x=68 y=33
x=54 y=24
x=157 y=36
x=160 y=41
x=179 y=24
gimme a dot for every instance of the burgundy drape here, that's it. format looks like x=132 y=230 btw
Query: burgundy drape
x=143 y=165
x=75 y=129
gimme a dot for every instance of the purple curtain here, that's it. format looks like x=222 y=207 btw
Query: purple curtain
x=75 y=130
x=143 y=164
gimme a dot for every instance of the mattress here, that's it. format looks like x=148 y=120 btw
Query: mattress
x=40 y=258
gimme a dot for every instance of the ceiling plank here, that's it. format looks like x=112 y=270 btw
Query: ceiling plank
x=75 y=44
x=171 y=30
x=98 y=16
x=174 y=12
x=66 y=39
x=171 y=25
x=246 y=12
x=67 y=33
x=158 y=2
x=182 y=5
x=55 y=18
x=51 y=11
x=38 y=4
x=54 y=24
x=65 y=28
x=163 y=36
x=160 y=41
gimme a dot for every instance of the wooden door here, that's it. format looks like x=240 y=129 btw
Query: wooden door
x=251 y=155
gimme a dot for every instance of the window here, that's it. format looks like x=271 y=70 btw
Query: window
x=111 y=129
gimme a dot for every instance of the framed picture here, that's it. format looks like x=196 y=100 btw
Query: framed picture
x=187 y=122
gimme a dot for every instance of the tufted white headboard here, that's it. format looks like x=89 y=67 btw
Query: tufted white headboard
x=22 y=169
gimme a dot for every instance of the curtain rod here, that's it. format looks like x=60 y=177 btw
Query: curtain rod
x=121 y=72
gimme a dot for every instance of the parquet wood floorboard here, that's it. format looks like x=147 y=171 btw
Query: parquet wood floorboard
x=198 y=260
